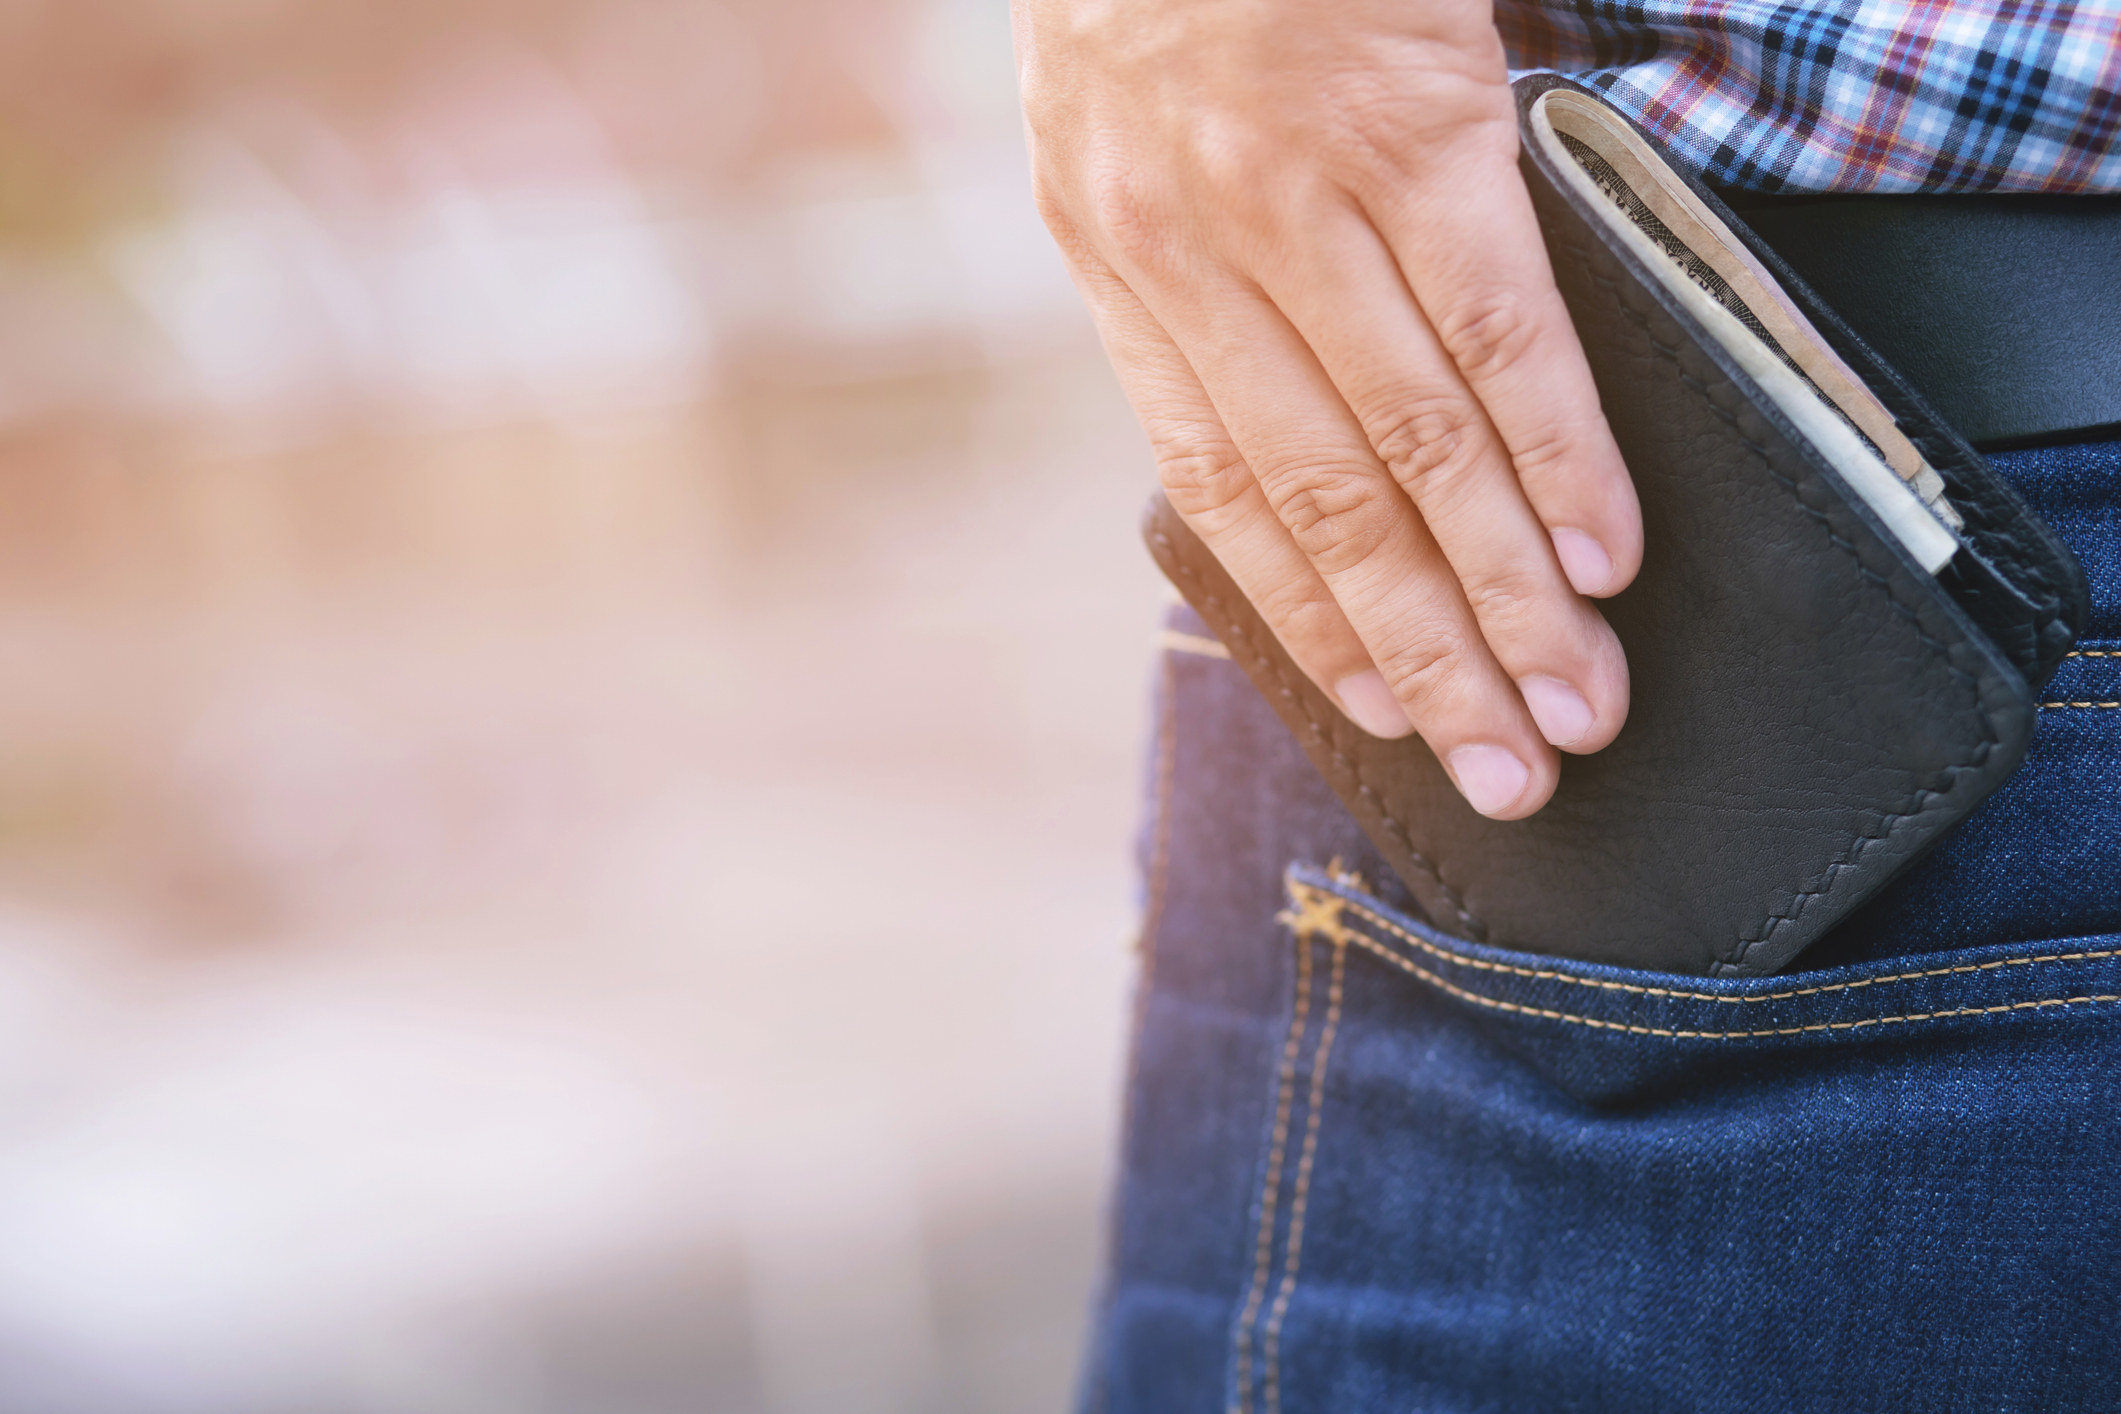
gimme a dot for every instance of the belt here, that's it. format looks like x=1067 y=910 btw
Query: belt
x=2003 y=311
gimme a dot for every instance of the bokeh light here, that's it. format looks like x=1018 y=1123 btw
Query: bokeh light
x=573 y=663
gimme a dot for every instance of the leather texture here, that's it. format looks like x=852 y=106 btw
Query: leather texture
x=2018 y=581
x=2002 y=309
x=1811 y=710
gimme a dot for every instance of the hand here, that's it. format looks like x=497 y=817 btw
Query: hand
x=1302 y=232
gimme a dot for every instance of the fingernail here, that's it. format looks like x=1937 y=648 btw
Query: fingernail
x=1583 y=560
x=1489 y=777
x=1560 y=710
x=1371 y=703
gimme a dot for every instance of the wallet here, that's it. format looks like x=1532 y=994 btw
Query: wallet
x=1834 y=640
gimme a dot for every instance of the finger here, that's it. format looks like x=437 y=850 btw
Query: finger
x=1344 y=295
x=1469 y=247
x=1211 y=487
x=1360 y=532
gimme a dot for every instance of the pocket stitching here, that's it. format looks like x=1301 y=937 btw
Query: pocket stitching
x=1679 y=994
x=1292 y=1252
x=1313 y=918
x=1270 y=1186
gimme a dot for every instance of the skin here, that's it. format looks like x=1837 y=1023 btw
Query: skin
x=1303 y=235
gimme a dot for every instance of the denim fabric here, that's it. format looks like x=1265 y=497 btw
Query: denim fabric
x=2039 y=858
x=1368 y=1166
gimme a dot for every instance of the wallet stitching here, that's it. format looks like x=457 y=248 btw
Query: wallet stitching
x=1444 y=954
x=1886 y=821
x=1323 y=735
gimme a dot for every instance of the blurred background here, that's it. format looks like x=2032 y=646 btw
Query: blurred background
x=572 y=661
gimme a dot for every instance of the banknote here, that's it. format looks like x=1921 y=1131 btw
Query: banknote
x=1739 y=302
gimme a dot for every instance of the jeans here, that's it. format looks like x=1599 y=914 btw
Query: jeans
x=1370 y=1166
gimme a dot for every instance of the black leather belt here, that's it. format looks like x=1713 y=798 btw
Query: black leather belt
x=2003 y=311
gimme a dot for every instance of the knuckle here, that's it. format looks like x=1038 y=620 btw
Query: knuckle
x=1124 y=214
x=1489 y=335
x=1504 y=607
x=1334 y=513
x=1227 y=160
x=1303 y=615
x=1425 y=667
x=1544 y=452
x=1426 y=434
x=1205 y=484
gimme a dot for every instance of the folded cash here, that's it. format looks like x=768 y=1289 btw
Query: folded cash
x=1719 y=282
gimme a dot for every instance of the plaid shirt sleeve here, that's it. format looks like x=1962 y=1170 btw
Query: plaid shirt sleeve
x=1851 y=95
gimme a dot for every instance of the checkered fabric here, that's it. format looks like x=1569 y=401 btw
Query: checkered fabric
x=1851 y=95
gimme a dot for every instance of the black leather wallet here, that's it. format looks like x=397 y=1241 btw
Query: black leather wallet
x=1828 y=676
